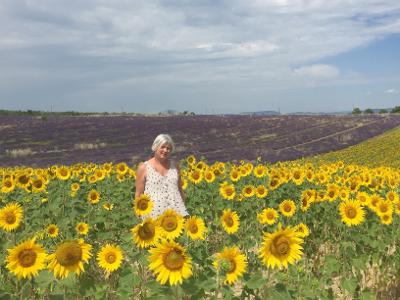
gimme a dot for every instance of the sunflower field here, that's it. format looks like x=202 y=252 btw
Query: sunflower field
x=256 y=231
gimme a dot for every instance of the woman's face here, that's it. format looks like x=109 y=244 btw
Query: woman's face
x=163 y=151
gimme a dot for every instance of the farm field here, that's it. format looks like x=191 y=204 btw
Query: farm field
x=257 y=231
x=382 y=150
x=32 y=141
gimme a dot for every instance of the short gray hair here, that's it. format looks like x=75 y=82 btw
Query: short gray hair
x=162 y=139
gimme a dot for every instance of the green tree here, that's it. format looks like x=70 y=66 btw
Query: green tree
x=383 y=111
x=356 y=111
x=396 y=110
x=368 y=111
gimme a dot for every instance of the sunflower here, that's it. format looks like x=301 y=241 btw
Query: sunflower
x=248 y=191
x=392 y=196
x=332 y=192
x=397 y=207
x=26 y=259
x=82 y=228
x=171 y=224
x=69 y=257
x=170 y=263
x=195 y=176
x=146 y=233
x=310 y=175
x=8 y=185
x=231 y=263
x=227 y=191
x=351 y=212
x=108 y=206
x=110 y=258
x=374 y=200
x=260 y=171
x=384 y=207
x=234 y=174
x=52 y=230
x=281 y=248
x=363 y=198
x=305 y=202
x=386 y=219
x=11 y=216
x=261 y=191
x=38 y=185
x=287 y=208
x=209 y=176
x=274 y=182
x=195 y=228
x=63 y=173
x=230 y=221
x=268 y=216
x=191 y=160
x=93 y=197
x=184 y=183
x=302 y=230
x=297 y=176
x=344 y=194
x=121 y=168
x=75 y=187
x=23 y=180
x=143 y=205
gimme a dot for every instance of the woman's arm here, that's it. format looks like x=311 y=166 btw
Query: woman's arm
x=180 y=183
x=140 y=180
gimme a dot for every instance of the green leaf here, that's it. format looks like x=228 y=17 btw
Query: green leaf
x=331 y=264
x=367 y=295
x=255 y=281
x=44 y=279
x=349 y=284
x=56 y=297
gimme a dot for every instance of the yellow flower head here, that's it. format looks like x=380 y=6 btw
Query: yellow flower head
x=110 y=258
x=268 y=216
x=82 y=228
x=281 y=248
x=170 y=223
x=52 y=230
x=93 y=197
x=170 y=263
x=287 y=208
x=69 y=257
x=230 y=221
x=146 y=234
x=26 y=259
x=231 y=263
x=195 y=228
x=11 y=216
x=227 y=191
x=143 y=205
x=351 y=212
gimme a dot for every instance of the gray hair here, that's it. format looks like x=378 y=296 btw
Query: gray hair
x=162 y=139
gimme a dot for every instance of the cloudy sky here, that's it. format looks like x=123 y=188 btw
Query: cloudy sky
x=206 y=56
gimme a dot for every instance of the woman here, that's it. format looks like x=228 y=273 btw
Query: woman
x=160 y=179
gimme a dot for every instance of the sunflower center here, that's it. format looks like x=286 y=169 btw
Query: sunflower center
x=228 y=221
x=304 y=202
x=64 y=172
x=228 y=191
x=287 y=208
x=228 y=265
x=193 y=228
x=27 y=258
x=8 y=184
x=331 y=194
x=93 y=196
x=38 y=184
x=351 y=213
x=52 y=230
x=169 y=223
x=110 y=257
x=23 y=179
x=10 y=218
x=69 y=253
x=280 y=246
x=174 y=260
x=248 y=190
x=146 y=231
x=383 y=208
x=143 y=204
x=270 y=216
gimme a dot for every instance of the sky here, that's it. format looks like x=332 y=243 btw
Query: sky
x=205 y=56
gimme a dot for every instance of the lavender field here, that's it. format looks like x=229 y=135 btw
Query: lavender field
x=32 y=141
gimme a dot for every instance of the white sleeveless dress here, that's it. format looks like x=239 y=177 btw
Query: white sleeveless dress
x=163 y=191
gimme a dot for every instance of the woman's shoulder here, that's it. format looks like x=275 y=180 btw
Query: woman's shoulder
x=142 y=168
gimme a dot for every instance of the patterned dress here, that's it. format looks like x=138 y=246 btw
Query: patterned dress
x=164 y=191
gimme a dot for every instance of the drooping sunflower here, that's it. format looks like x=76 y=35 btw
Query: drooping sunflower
x=143 y=205
x=93 y=196
x=170 y=262
x=227 y=191
x=69 y=257
x=230 y=221
x=195 y=228
x=26 y=259
x=110 y=258
x=281 y=248
x=82 y=228
x=231 y=263
x=287 y=208
x=52 y=230
x=351 y=212
x=268 y=216
x=11 y=216
x=170 y=223
x=145 y=234
x=302 y=230
x=261 y=191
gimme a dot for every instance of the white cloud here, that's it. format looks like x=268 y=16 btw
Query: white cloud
x=318 y=71
x=392 y=91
